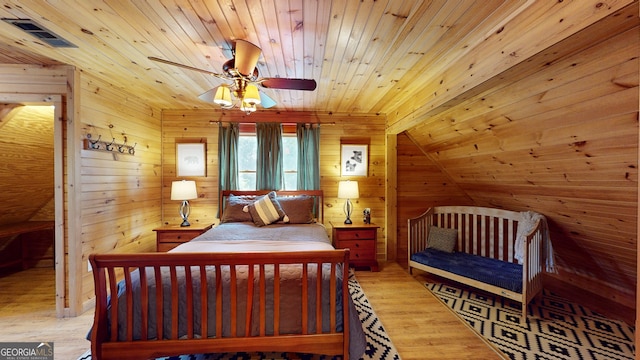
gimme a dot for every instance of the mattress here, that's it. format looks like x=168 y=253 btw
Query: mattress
x=486 y=270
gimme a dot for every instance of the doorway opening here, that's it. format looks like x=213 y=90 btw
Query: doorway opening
x=32 y=215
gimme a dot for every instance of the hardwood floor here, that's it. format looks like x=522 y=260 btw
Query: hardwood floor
x=28 y=313
x=420 y=326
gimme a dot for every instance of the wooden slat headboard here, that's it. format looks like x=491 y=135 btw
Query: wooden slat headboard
x=317 y=194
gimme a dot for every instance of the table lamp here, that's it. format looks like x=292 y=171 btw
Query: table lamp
x=184 y=190
x=348 y=189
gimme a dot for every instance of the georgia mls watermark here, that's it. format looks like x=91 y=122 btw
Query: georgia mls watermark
x=26 y=351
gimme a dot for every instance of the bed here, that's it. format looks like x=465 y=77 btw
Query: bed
x=496 y=250
x=279 y=287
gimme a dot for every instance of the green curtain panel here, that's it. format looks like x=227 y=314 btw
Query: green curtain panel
x=228 y=156
x=308 y=156
x=269 y=174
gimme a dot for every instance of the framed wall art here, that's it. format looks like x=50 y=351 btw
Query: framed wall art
x=191 y=159
x=354 y=157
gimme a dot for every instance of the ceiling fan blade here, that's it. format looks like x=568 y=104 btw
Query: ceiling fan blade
x=289 y=84
x=246 y=58
x=185 y=66
x=266 y=101
x=209 y=95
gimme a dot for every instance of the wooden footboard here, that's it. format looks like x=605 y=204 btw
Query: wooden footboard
x=484 y=232
x=138 y=279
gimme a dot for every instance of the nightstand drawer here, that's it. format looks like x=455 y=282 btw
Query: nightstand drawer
x=358 y=250
x=355 y=234
x=170 y=236
x=176 y=236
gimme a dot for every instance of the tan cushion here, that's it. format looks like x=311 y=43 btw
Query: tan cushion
x=442 y=239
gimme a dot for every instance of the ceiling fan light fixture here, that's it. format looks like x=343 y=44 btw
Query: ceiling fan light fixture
x=223 y=96
x=247 y=107
x=251 y=95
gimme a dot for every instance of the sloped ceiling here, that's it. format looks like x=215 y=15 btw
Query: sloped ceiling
x=557 y=134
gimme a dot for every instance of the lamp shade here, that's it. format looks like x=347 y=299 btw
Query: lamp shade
x=247 y=107
x=251 y=95
x=183 y=190
x=223 y=96
x=348 y=189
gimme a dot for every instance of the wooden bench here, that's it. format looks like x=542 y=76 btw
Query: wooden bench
x=484 y=232
x=19 y=232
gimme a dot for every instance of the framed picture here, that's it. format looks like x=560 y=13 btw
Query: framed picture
x=191 y=159
x=354 y=159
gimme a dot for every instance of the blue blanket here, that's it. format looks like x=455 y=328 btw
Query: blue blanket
x=489 y=271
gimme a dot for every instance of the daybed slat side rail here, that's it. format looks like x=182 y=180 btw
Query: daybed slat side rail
x=481 y=231
x=418 y=232
x=317 y=194
x=533 y=266
x=106 y=345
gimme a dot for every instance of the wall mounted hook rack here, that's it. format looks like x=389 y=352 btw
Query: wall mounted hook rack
x=112 y=146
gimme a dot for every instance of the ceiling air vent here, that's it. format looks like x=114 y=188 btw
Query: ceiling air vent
x=39 y=31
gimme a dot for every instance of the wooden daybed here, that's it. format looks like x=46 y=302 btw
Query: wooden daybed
x=483 y=252
x=258 y=298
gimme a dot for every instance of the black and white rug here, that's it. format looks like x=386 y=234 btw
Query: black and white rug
x=556 y=329
x=379 y=345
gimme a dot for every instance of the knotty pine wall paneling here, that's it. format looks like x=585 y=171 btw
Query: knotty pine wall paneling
x=121 y=193
x=201 y=125
x=26 y=150
x=372 y=187
x=422 y=184
x=190 y=127
x=558 y=135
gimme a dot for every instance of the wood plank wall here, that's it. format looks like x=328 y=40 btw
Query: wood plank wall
x=201 y=125
x=121 y=193
x=558 y=135
x=26 y=155
x=423 y=185
x=26 y=175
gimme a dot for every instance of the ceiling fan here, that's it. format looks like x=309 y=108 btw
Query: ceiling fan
x=244 y=78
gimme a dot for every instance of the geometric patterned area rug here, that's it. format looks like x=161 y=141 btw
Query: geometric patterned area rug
x=379 y=345
x=554 y=329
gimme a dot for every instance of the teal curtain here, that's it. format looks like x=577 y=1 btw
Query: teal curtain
x=269 y=173
x=228 y=156
x=308 y=156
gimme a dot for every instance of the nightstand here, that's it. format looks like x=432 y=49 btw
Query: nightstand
x=170 y=236
x=360 y=239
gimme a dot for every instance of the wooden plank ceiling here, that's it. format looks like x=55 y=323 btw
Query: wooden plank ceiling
x=357 y=51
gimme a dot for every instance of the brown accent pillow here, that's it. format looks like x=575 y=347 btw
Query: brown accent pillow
x=232 y=211
x=442 y=239
x=298 y=209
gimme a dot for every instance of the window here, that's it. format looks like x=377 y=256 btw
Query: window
x=290 y=161
x=247 y=158
x=247 y=149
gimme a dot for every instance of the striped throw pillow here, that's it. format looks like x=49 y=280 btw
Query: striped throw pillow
x=266 y=210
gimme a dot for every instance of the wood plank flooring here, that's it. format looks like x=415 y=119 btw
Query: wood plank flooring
x=420 y=326
x=28 y=313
